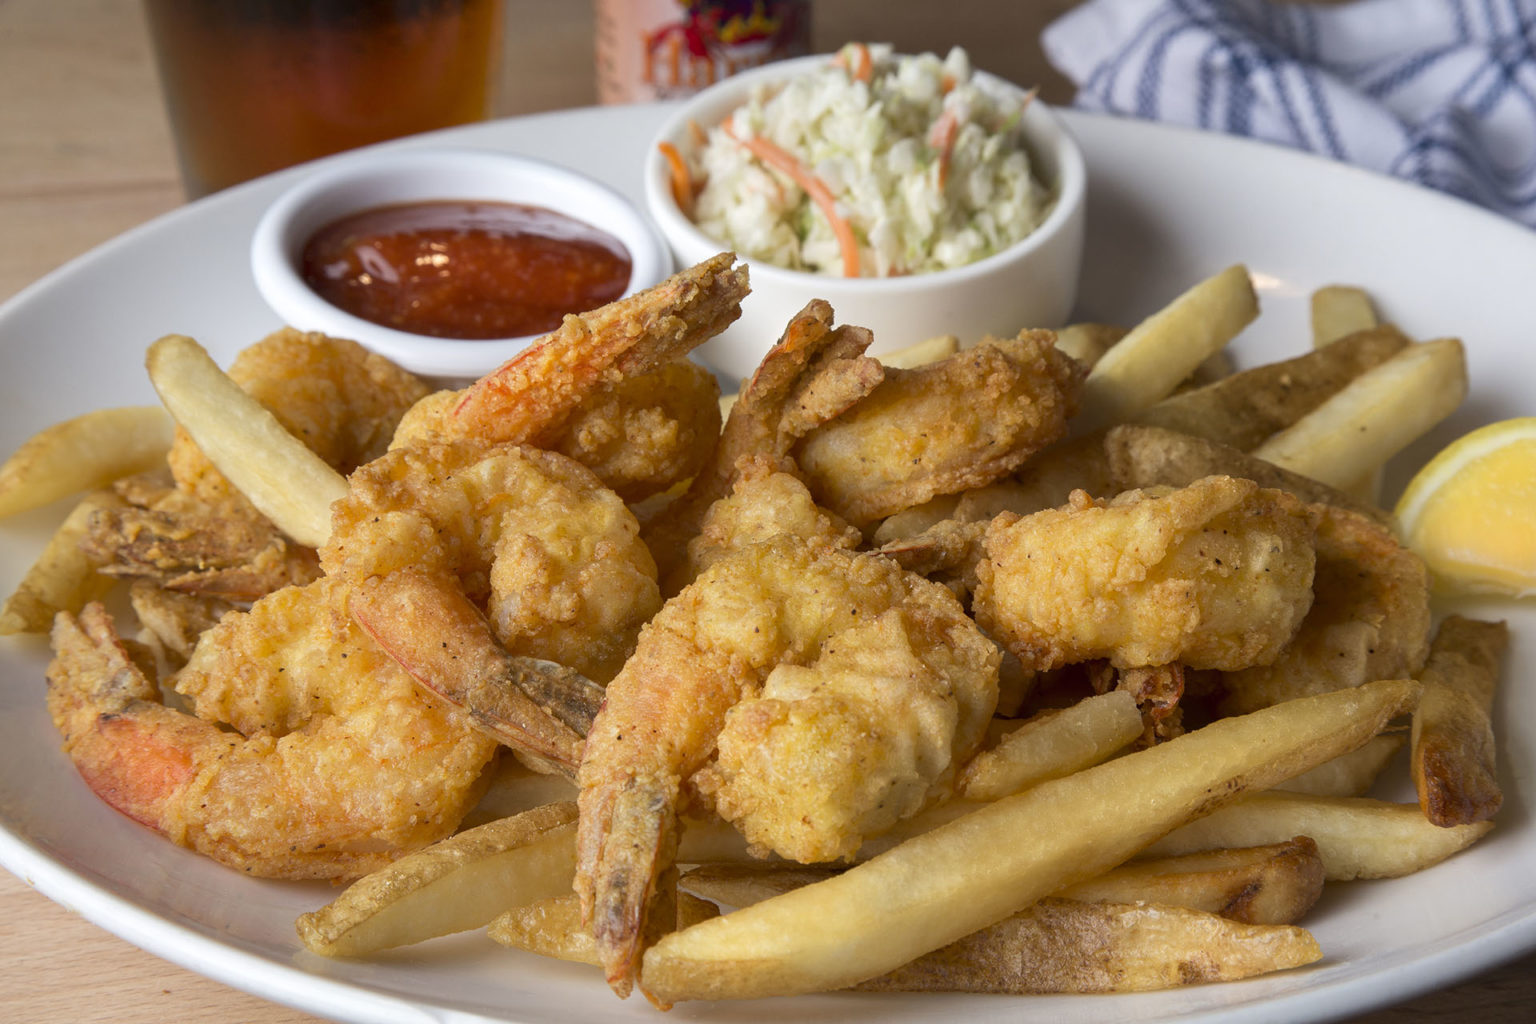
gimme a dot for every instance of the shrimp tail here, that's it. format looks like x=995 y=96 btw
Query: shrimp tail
x=127 y=746
x=530 y=397
x=636 y=881
x=431 y=629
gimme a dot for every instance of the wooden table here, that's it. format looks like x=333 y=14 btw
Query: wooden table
x=85 y=154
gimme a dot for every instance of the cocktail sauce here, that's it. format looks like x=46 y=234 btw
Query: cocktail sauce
x=471 y=270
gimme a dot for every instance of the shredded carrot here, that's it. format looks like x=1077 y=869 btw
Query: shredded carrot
x=781 y=159
x=864 y=69
x=682 y=178
x=942 y=137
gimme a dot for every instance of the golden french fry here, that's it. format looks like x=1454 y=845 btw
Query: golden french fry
x=1452 y=753
x=63 y=578
x=1350 y=774
x=1164 y=349
x=1141 y=455
x=1246 y=408
x=287 y=482
x=940 y=886
x=1087 y=342
x=1053 y=744
x=1063 y=946
x=1273 y=884
x=1357 y=837
x=921 y=353
x=83 y=453
x=1339 y=310
x=552 y=927
x=1375 y=416
x=455 y=885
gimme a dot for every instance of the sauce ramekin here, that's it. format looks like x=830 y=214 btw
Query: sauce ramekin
x=345 y=185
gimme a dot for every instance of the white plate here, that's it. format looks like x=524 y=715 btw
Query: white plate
x=1167 y=208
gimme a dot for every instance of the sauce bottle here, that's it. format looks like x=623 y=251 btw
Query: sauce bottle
x=666 y=49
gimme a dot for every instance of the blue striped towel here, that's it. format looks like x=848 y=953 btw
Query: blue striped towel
x=1441 y=92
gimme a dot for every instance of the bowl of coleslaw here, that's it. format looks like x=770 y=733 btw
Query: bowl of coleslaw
x=916 y=195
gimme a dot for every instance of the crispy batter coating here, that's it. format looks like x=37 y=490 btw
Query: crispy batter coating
x=1215 y=575
x=959 y=423
x=337 y=764
x=839 y=688
x=1369 y=620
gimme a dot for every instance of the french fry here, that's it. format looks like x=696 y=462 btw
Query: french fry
x=1452 y=752
x=83 y=453
x=1087 y=342
x=1246 y=408
x=943 y=885
x=456 y=885
x=1358 y=837
x=1339 y=310
x=1164 y=349
x=1063 y=946
x=921 y=353
x=288 y=483
x=1141 y=455
x=1350 y=774
x=63 y=578
x=1053 y=744
x=1376 y=415
x=1273 y=884
x=553 y=927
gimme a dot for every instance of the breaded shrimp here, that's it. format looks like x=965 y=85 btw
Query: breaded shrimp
x=531 y=398
x=942 y=428
x=336 y=765
x=1370 y=618
x=201 y=536
x=531 y=537
x=1216 y=575
x=641 y=435
x=764 y=502
x=814 y=695
x=813 y=373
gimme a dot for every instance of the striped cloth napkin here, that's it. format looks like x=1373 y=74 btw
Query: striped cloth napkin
x=1441 y=92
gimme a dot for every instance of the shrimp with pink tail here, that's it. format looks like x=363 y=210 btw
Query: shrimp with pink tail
x=333 y=764
x=530 y=398
x=811 y=696
x=550 y=555
x=812 y=374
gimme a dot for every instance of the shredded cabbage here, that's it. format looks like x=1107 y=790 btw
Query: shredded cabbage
x=926 y=165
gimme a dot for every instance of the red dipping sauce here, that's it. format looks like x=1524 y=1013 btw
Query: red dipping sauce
x=471 y=270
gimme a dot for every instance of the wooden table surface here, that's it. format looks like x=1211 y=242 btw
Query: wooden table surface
x=85 y=154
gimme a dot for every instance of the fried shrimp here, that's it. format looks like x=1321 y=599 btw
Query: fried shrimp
x=813 y=695
x=202 y=536
x=942 y=428
x=1370 y=618
x=552 y=556
x=531 y=398
x=641 y=436
x=1216 y=575
x=814 y=372
x=336 y=764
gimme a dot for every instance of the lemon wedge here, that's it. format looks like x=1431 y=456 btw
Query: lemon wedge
x=1470 y=513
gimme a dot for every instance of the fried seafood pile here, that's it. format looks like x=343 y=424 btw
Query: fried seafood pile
x=587 y=662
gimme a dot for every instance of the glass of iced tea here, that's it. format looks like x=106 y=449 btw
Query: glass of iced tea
x=252 y=86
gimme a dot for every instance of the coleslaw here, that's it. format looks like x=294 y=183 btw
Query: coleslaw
x=875 y=165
